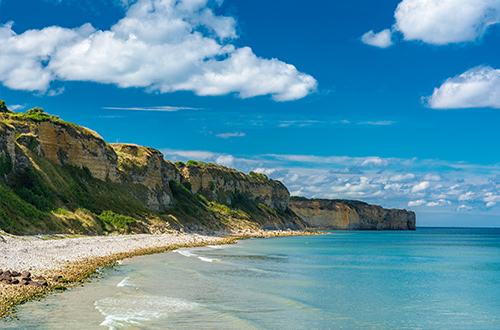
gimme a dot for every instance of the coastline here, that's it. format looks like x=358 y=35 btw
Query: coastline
x=75 y=259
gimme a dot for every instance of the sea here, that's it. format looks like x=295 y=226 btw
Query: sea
x=431 y=278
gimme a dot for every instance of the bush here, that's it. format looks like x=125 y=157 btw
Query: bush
x=192 y=162
x=117 y=220
x=3 y=107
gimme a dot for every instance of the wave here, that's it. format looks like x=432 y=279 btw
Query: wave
x=125 y=310
x=207 y=259
x=125 y=282
x=185 y=253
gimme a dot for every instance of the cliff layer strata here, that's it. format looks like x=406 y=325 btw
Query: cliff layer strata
x=351 y=215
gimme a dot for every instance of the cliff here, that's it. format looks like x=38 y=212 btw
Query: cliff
x=60 y=177
x=351 y=215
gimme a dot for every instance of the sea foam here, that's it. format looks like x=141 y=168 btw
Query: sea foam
x=125 y=310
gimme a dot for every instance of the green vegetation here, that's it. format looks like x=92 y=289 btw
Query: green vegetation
x=5 y=164
x=211 y=185
x=117 y=220
x=179 y=164
x=192 y=162
x=3 y=107
x=260 y=176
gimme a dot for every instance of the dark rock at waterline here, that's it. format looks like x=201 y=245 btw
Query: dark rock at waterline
x=6 y=273
x=15 y=281
x=5 y=278
x=26 y=274
x=15 y=274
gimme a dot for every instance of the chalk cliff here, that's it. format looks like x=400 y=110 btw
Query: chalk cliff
x=351 y=215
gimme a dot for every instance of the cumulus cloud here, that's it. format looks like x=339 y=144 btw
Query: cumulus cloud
x=381 y=39
x=476 y=88
x=417 y=202
x=439 y=22
x=421 y=186
x=160 y=45
x=442 y=22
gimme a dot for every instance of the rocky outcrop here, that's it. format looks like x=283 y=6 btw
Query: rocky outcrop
x=222 y=184
x=351 y=215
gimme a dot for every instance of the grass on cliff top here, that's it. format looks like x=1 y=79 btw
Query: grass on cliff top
x=348 y=202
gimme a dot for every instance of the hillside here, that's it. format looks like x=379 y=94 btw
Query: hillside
x=58 y=177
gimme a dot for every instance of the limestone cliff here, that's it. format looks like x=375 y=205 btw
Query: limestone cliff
x=68 y=176
x=221 y=184
x=351 y=215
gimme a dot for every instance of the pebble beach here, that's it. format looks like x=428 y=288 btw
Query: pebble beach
x=62 y=261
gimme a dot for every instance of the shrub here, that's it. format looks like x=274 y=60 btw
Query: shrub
x=192 y=162
x=117 y=220
x=3 y=107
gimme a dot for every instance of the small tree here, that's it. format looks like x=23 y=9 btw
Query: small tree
x=3 y=107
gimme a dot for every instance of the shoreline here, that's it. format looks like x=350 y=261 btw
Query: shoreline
x=66 y=261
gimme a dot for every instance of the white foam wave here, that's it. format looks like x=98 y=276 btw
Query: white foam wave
x=215 y=246
x=124 y=310
x=125 y=282
x=207 y=259
x=185 y=253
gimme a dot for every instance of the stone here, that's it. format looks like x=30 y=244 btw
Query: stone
x=26 y=274
x=35 y=284
x=5 y=278
x=23 y=282
x=15 y=274
x=15 y=281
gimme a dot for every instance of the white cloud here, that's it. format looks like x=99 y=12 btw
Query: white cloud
x=230 y=135
x=159 y=45
x=159 y=108
x=402 y=177
x=476 y=88
x=374 y=162
x=377 y=123
x=442 y=22
x=421 y=186
x=417 y=202
x=225 y=160
x=15 y=107
x=381 y=39
x=439 y=22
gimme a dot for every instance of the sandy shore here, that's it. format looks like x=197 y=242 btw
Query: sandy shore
x=75 y=259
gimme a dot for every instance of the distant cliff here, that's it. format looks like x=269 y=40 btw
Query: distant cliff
x=60 y=177
x=351 y=215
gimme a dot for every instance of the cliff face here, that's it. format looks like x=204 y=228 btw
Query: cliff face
x=131 y=179
x=351 y=215
x=221 y=184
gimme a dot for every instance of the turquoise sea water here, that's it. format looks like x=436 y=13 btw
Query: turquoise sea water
x=427 y=279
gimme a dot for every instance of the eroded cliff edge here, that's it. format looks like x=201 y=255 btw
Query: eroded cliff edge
x=351 y=215
x=60 y=177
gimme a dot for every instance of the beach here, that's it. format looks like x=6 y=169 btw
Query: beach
x=63 y=260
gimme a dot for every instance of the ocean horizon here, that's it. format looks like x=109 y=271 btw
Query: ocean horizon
x=431 y=278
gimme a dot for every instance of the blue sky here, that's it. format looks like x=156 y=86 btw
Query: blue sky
x=393 y=102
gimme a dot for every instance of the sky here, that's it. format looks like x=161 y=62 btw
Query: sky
x=393 y=102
